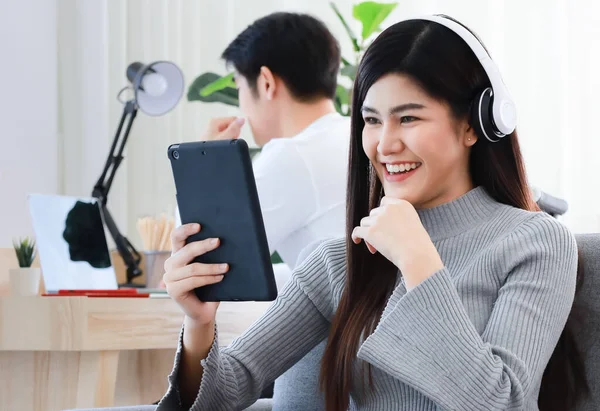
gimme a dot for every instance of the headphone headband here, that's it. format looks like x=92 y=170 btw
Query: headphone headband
x=504 y=115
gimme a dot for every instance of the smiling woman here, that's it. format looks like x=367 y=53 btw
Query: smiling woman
x=450 y=290
x=420 y=91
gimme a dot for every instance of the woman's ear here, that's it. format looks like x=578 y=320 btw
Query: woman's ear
x=266 y=82
x=469 y=135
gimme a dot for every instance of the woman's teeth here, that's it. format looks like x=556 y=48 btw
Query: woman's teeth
x=401 y=168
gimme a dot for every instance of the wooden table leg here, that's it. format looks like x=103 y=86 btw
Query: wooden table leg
x=57 y=380
x=96 y=378
x=142 y=376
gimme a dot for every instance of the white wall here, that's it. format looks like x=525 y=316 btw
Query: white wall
x=544 y=49
x=29 y=141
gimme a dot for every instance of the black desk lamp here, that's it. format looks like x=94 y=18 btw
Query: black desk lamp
x=157 y=88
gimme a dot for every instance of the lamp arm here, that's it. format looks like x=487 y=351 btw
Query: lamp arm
x=130 y=255
x=102 y=186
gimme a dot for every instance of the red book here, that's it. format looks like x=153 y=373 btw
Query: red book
x=137 y=295
x=126 y=291
x=96 y=294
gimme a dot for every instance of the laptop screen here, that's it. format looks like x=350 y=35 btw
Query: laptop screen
x=71 y=243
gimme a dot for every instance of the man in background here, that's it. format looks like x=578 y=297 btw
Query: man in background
x=286 y=68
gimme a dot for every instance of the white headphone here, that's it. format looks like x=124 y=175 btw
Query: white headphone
x=495 y=113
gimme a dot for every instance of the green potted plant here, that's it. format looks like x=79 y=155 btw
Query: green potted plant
x=25 y=280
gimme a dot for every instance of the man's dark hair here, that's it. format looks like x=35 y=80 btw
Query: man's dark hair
x=296 y=47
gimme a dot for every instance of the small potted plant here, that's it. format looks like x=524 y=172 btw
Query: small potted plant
x=25 y=280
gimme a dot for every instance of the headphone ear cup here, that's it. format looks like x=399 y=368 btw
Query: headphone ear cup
x=476 y=117
x=482 y=117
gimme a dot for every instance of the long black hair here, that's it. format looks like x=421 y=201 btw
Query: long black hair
x=445 y=67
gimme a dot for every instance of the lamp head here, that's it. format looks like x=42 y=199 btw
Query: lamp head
x=157 y=87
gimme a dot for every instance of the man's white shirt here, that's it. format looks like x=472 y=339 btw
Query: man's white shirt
x=301 y=183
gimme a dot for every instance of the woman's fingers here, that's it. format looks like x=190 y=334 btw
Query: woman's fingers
x=181 y=233
x=362 y=230
x=180 y=288
x=367 y=221
x=359 y=233
x=372 y=249
x=195 y=270
x=376 y=211
x=189 y=252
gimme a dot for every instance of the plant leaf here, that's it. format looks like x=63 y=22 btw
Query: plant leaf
x=351 y=34
x=342 y=100
x=25 y=251
x=225 y=93
x=349 y=71
x=253 y=151
x=371 y=14
x=343 y=95
x=338 y=107
x=275 y=258
x=217 y=85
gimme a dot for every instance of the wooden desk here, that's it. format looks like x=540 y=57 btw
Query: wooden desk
x=60 y=353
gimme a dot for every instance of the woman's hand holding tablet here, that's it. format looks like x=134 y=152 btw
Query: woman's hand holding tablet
x=182 y=276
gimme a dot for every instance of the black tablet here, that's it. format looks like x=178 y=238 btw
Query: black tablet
x=216 y=188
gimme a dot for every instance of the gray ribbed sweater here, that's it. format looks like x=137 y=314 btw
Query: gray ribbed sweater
x=476 y=335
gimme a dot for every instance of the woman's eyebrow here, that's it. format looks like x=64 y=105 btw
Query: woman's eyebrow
x=405 y=107
x=394 y=110
x=367 y=109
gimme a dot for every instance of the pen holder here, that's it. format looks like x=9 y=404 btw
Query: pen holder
x=154 y=263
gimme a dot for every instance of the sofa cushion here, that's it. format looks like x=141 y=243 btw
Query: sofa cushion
x=587 y=321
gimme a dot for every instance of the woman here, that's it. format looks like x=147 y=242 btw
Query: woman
x=451 y=289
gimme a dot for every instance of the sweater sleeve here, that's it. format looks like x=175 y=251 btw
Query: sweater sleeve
x=429 y=342
x=234 y=376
